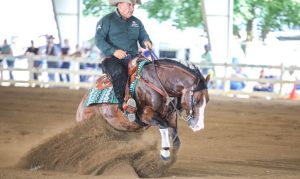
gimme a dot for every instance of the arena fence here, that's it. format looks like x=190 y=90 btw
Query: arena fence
x=281 y=79
x=84 y=71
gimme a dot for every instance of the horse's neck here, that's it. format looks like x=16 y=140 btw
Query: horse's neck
x=175 y=79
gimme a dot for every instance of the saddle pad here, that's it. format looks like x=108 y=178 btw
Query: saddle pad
x=96 y=96
x=107 y=95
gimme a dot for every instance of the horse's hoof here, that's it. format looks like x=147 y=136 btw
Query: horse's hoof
x=165 y=154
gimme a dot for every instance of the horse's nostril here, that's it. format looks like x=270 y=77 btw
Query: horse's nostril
x=191 y=122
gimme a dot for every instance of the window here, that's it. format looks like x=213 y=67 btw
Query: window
x=167 y=54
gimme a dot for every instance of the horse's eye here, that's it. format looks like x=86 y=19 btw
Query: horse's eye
x=196 y=101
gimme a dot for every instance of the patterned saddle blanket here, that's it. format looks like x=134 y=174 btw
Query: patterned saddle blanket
x=103 y=93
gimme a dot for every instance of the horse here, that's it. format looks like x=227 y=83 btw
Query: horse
x=164 y=89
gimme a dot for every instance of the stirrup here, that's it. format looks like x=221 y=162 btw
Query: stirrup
x=130 y=109
x=131 y=102
x=130 y=106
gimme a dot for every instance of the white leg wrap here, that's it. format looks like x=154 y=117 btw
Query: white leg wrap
x=165 y=142
x=165 y=154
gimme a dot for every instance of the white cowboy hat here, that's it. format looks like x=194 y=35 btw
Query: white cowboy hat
x=115 y=2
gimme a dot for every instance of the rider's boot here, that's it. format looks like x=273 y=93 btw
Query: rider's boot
x=130 y=109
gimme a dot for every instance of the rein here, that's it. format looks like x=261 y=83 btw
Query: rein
x=164 y=93
x=155 y=88
x=154 y=57
x=169 y=100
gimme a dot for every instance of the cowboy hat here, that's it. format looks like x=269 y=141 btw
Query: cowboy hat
x=115 y=2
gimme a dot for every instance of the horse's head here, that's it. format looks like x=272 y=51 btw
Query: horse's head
x=194 y=101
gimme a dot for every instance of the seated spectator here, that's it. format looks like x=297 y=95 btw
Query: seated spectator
x=262 y=86
x=238 y=85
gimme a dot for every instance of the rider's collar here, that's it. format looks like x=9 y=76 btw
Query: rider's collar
x=117 y=12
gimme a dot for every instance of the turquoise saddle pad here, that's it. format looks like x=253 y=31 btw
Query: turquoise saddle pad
x=107 y=95
x=96 y=96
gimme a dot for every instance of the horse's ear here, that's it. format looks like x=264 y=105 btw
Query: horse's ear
x=207 y=79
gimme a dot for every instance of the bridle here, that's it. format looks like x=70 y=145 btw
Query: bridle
x=191 y=112
x=199 y=87
x=194 y=89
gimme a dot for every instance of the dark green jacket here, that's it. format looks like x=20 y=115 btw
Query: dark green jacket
x=114 y=33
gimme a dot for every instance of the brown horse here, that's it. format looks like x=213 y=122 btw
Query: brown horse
x=162 y=90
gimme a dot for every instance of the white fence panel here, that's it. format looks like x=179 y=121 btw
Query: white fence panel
x=24 y=71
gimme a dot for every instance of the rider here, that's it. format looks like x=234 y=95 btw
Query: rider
x=117 y=37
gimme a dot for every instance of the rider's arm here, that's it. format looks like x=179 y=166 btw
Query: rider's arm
x=101 y=36
x=143 y=35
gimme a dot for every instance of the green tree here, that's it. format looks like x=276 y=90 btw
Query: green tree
x=267 y=15
x=184 y=13
x=96 y=7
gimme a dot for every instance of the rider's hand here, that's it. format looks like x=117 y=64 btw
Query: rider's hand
x=120 y=54
x=148 y=44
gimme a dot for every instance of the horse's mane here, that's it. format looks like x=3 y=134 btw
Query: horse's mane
x=195 y=71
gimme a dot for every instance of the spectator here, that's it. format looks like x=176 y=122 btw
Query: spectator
x=92 y=53
x=238 y=85
x=66 y=64
x=32 y=50
x=263 y=86
x=289 y=75
x=51 y=50
x=206 y=60
x=6 y=50
x=78 y=54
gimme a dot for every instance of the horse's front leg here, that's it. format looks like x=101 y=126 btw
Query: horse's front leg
x=175 y=138
x=164 y=133
x=153 y=118
x=165 y=144
x=173 y=126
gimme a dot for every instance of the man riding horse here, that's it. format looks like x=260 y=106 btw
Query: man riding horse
x=117 y=36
